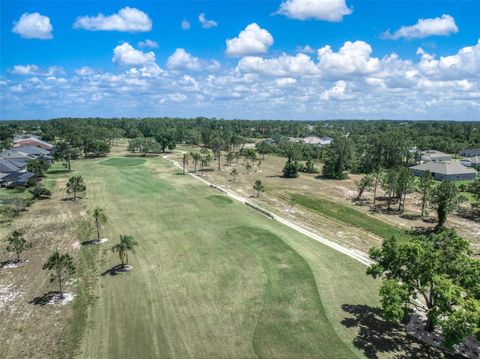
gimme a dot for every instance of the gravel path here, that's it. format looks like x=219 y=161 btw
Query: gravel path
x=352 y=253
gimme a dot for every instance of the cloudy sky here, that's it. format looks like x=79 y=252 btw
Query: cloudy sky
x=290 y=59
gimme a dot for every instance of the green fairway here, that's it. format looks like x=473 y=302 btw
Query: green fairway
x=351 y=216
x=123 y=161
x=211 y=278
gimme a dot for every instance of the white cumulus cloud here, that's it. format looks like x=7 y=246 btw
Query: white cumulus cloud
x=34 y=70
x=127 y=19
x=125 y=54
x=353 y=58
x=250 y=41
x=284 y=65
x=439 y=26
x=182 y=60
x=33 y=26
x=147 y=43
x=327 y=10
x=206 y=24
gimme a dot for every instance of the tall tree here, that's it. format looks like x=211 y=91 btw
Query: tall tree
x=184 y=161
x=126 y=244
x=389 y=185
x=196 y=158
x=17 y=244
x=425 y=186
x=446 y=198
x=259 y=187
x=339 y=159
x=63 y=151
x=62 y=268
x=100 y=220
x=75 y=185
x=405 y=185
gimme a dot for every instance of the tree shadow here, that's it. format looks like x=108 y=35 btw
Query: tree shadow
x=410 y=216
x=44 y=299
x=421 y=231
x=376 y=336
x=115 y=270
x=58 y=171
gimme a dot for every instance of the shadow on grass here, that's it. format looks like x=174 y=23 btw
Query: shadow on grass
x=58 y=171
x=421 y=231
x=115 y=270
x=44 y=299
x=377 y=337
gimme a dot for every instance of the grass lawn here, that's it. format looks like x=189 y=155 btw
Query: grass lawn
x=350 y=216
x=211 y=278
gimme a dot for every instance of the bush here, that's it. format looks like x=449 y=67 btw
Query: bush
x=291 y=169
x=40 y=192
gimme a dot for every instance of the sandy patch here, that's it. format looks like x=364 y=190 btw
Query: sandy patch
x=58 y=299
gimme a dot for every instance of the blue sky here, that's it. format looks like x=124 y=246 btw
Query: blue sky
x=291 y=59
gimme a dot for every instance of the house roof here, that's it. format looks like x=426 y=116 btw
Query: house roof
x=32 y=141
x=32 y=150
x=445 y=168
x=432 y=154
x=475 y=160
x=20 y=176
x=14 y=154
x=7 y=166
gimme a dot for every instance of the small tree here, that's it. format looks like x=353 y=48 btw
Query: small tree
x=425 y=186
x=100 y=219
x=259 y=187
x=127 y=243
x=290 y=170
x=17 y=244
x=248 y=167
x=365 y=184
x=474 y=189
x=40 y=192
x=291 y=203
x=234 y=173
x=64 y=151
x=62 y=268
x=38 y=166
x=76 y=185
x=446 y=198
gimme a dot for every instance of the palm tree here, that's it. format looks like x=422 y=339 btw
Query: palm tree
x=234 y=173
x=100 y=219
x=196 y=157
x=185 y=161
x=127 y=243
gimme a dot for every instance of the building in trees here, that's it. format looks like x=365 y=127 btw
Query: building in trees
x=445 y=170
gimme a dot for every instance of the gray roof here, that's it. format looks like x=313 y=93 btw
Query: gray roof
x=20 y=177
x=14 y=154
x=474 y=160
x=445 y=168
x=32 y=150
x=430 y=155
x=7 y=166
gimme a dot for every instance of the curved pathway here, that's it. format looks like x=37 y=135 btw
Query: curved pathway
x=352 y=253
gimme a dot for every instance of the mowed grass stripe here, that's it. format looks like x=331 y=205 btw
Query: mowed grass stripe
x=292 y=323
x=350 y=216
x=192 y=293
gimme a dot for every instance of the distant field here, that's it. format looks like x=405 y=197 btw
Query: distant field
x=351 y=216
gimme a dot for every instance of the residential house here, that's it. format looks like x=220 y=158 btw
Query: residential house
x=313 y=140
x=434 y=156
x=32 y=141
x=445 y=170
x=471 y=162
x=472 y=152
x=8 y=168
